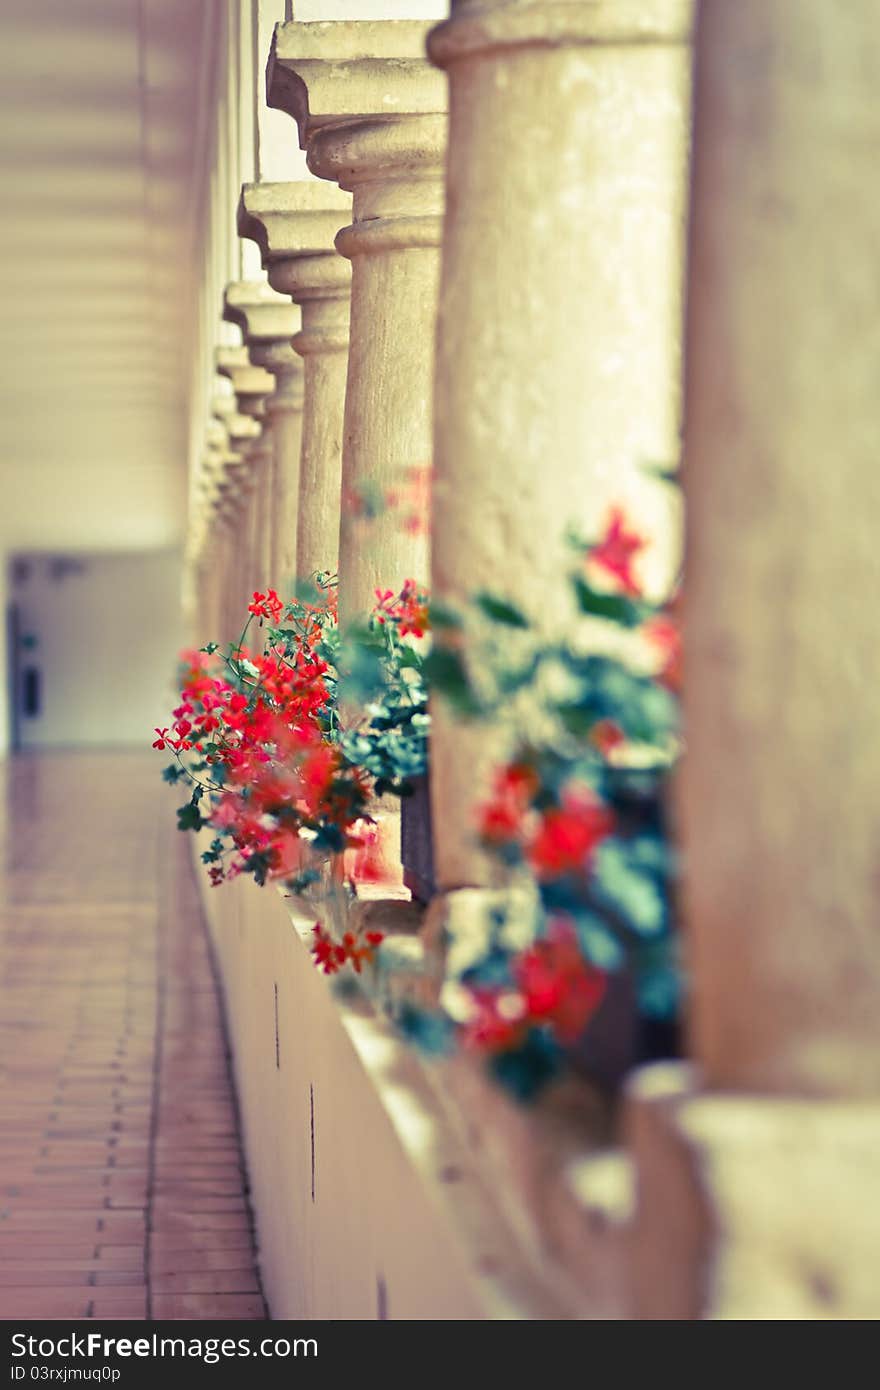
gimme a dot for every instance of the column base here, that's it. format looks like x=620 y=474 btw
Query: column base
x=752 y=1207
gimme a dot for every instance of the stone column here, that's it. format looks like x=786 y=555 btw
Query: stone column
x=205 y=544
x=558 y=357
x=252 y=386
x=267 y=321
x=284 y=410
x=782 y=424
x=294 y=224
x=341 y=82
x=243 y=433
x=757 y=1173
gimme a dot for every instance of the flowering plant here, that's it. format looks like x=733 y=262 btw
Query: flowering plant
x=576 y=823
x=274 y=772
x=284 y=744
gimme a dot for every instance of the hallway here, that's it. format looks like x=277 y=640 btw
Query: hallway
x=122 y=1191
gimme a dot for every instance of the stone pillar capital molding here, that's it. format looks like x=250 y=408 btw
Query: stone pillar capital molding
x=370 y=111
x=324 y=72
x=483 y=26
x=294 y=224
x=251 y=384
x=263 y=315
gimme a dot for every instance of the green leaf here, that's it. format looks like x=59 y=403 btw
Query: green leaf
x=446 y=675
x=189 y=817
x=172 y=773
x=443 y=616
x=615 y=608
x=622 y=882
x=664 y=472
x=500 y=611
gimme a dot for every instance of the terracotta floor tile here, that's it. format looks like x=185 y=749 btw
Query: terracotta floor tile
x=112 y=1170
x=208 y=1305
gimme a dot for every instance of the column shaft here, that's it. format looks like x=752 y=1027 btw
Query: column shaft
x=560 y=314
x=780 y=791
x=370 y=116
x=294 y=224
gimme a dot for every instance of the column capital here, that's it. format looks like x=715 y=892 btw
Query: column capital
x=324 y=72
x=242 y=430
x=371 y=116
x=263 y=315
x=294 y=225
x=291 y=219
x=222 y=406
x=482 y=26
x=251 y=384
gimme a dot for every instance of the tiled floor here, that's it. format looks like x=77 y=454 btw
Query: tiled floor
x=122 y=1192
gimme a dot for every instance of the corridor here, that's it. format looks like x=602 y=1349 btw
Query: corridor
x=122 y=1190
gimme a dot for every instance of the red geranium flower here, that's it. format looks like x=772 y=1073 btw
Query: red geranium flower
x=501 y=819
x=559 y=986
x=616 y=551
x=568 y=834
x=666 y=637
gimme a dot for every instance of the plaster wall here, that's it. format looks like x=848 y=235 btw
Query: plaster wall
x=105 y=632
x=367 y=1205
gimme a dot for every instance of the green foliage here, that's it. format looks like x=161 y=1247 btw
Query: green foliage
x=498 y=610
x=614 y=608
x=189 y=817
x=446 y=674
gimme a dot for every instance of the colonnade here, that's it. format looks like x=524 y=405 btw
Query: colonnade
x=484 y=282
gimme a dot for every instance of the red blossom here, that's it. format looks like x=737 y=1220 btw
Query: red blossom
x=266 y=605
x=558 y=985
x=501 y=818
x=567 y=836
x=408 y=610
x=330 y=956
x=615 y=552
x=665 y=636
x=552 y=985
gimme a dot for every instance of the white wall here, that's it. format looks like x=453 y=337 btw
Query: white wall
x=107 y=636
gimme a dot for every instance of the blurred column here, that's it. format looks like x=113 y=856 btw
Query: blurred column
x=267 y=321
x=240 y=490
x=757 y=1175
x=341 y=82
x=252 y=387
x=782 y=425
x=294 y=224
x=558 y=356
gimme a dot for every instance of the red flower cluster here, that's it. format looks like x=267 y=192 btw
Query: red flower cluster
x=502 y=818
x=556 y=841
x=408 y=609
x=266 y=606
x=330 y=955
x=258 y=721
x=551 y=985
x=413 y=499
x=567 y=835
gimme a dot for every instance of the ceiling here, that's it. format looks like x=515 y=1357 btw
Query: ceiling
x=100 y=157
